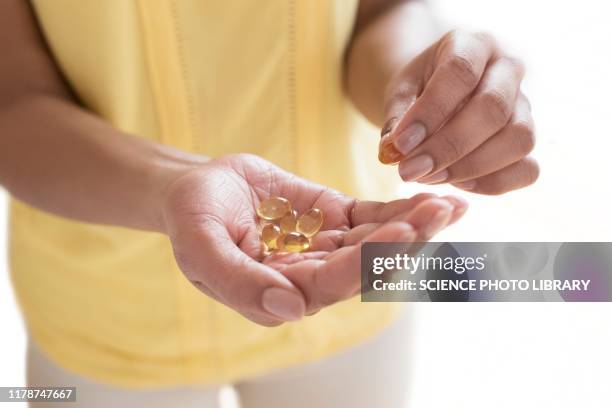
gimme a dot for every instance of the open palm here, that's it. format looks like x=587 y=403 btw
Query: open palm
x=211 y=218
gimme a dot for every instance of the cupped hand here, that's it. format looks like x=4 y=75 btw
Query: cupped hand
x=456 y=115
x=211 y=220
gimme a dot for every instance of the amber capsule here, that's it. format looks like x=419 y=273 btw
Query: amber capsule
x=387 y=153
x=310 y=222
x=269 y=235
x=295 y=242
x=289 y=221
x=273 y=208
x=280 y=242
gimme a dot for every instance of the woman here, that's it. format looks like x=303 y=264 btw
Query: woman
x=134 y=248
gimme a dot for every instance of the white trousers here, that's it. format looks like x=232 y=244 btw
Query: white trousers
x=372 y=374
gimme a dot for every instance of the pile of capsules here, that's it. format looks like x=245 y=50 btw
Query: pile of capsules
x=282 y=230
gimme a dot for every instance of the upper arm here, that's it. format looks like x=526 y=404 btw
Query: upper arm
x=26 y=66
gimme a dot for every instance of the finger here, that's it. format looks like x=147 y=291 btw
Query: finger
x=280 y=260
x=517 y=175
x=515 y=141
x=461 y=206
x=338 y=277
x=365 y=212
x=214 y=264
x=328 y=240
x=428 y=218
x=358 y=233
x=324 y=282
x=459 y=61
x=488 y=110
x=331 y=240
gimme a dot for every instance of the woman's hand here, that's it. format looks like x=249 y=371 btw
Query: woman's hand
x=456 y=114
x=210 y=218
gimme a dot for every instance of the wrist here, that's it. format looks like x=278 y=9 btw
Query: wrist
x=167 y=166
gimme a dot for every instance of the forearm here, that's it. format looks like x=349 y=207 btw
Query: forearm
x=384 y=41
x=60 y=158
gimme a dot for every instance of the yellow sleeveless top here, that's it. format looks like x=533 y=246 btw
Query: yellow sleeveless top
x=212 y=77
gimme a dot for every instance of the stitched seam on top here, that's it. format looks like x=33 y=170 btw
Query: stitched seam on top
x=149 y=71
x=195 y=146
x=291 y=84
x=155 y=90
x=180 y=48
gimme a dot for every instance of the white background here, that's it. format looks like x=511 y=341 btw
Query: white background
x=505 y=355
x=544 y=354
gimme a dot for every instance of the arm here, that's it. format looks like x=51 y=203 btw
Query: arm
x=451 y=112
x=56 y=156
x=388 y=34
x=60 y=158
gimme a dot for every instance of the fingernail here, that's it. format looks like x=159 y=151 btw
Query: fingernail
x=388 y=127
x=283 y=304
x=415 y=168
x=466 y=185
x=461 y=204
x=409 y=236
x=387 y=153
x=410 y=138
x=437 y=222
x=434 y=178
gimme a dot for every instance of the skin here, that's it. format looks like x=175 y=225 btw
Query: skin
x=451 y=112
x=60 y=158
x=231 y=267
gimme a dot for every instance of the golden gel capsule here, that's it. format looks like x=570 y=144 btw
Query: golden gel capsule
x=280 y=242
x=310 y=222
x=387 y=153
x=269 y=235
x=289 y=221
x=273 y=208
x=295 y=242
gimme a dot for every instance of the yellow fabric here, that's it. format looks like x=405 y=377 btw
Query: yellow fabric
x=213 y=77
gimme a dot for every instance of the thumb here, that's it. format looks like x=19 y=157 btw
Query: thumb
x=213 y=263
x=401 y=94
